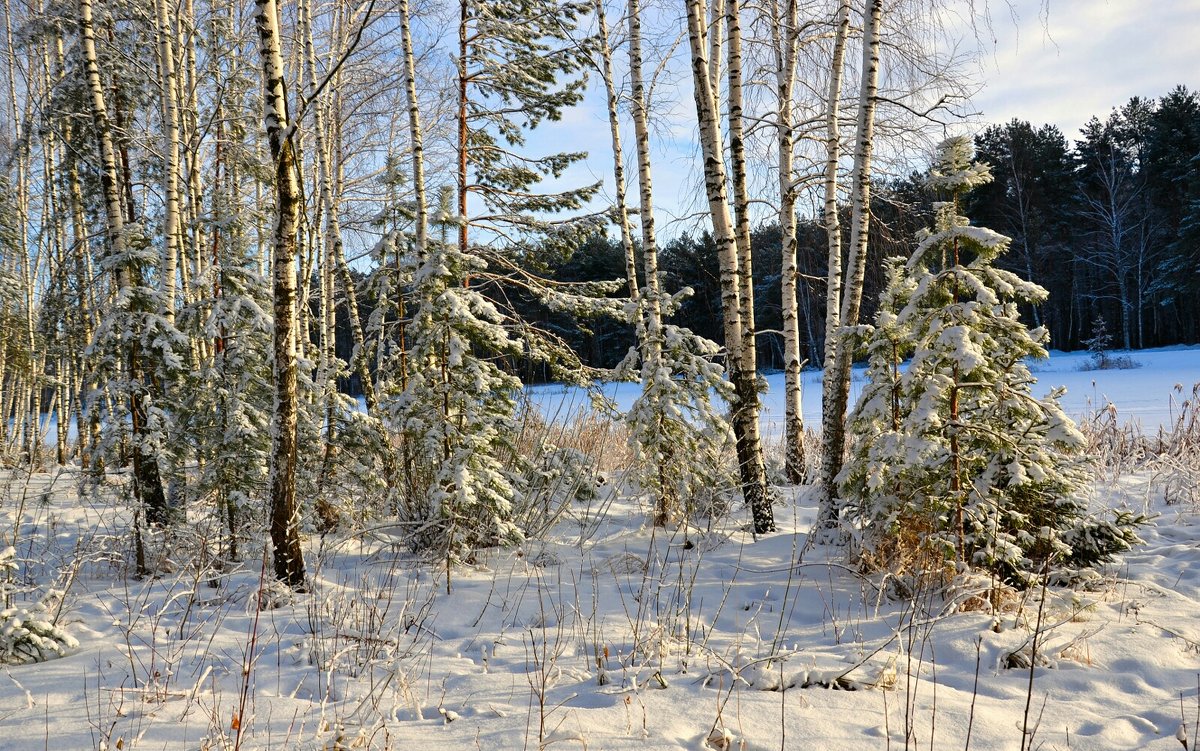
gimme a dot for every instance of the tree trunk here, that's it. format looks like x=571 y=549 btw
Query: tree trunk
x=417 y=138
x=837 y=375
x=750 y=459
x=170 y=110
x=745 y=407
x=652 y=295
x=193 y=258
x=463 y=21
x=29 y=420
x=147 y=481
x=833 y=224
x=86 y=398
x=285 y=521
x=334 y=253
x=614 y=129
x=416 y=134
x=786 y=40
x=649 y=316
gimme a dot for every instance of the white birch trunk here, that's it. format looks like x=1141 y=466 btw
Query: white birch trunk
x=786 y=44
x=170 y=116
x=641 y=130
x=838 y=382
x=649 y=317
x=833 y=233
x=27 y=422
x=148 y=483
x=416 y=134
x=614 y=130
x=745 y=407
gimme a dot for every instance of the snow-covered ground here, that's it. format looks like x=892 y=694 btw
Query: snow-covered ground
x=1148 y=394
x=606 y=635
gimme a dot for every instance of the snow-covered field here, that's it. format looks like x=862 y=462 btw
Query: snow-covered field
x=609 y=635
x=1148 y=394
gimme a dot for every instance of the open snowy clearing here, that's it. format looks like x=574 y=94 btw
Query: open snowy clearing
x=1149 y=394
x=606 y=634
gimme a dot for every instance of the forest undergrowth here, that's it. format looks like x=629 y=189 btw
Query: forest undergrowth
x=593 y=632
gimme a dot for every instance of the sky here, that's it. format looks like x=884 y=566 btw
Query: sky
x=1046 y=61
x=1064 y=61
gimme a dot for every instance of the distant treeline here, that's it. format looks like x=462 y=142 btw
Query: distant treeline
x=1109 y=224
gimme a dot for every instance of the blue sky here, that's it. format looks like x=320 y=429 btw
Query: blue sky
x=1046 y=61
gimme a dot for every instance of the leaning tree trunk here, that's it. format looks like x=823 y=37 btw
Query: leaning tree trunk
x=614 y=128
x=31 y=390
x=833 y=225
x=745 y=407
x=837 y=378
x=416 y=134
x=285 y=514
x=421 y=240
x=147 y=481
x=325 y=249
x=335 y=255
x=786 y=41
x=750 y=459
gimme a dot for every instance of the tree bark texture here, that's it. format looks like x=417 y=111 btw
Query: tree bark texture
x=745 y=407
x=837 y=397
x=285 y=521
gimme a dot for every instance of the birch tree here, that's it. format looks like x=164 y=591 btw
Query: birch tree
x=673 y=424
x=837 y=366
x=735 y=285
x=285 y=521
x=518 y=65
x=147 y=480
x=169 y=89
x=785 y=33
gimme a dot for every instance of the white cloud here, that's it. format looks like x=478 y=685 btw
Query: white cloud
x=1085 y=58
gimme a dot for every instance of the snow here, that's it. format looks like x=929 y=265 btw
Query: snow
x=1149 y=394
x=694 y=629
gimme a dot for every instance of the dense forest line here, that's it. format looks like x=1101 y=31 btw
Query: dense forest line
x=1109 y=224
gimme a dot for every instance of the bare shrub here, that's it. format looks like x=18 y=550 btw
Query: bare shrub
x=1172 y=455
x=1115 y=447
x=1176 y=456
x=565 y=460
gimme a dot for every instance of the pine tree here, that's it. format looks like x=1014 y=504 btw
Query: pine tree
x=131 y=328
x=518 y=65
x=674 y=427
x=953 y=457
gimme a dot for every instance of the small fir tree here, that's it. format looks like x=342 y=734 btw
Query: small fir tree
x=136 y=350
x=29 y=634
x=226 y=410
x=953 y=457
x=458 y=410
x=674 y=427
x=1099 y=344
